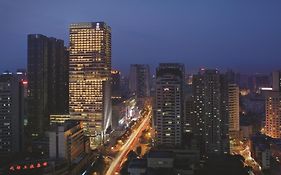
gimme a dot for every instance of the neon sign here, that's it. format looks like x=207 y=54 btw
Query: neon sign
x=28 y=166
x=24 y=82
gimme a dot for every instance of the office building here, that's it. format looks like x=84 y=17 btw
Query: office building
x=90 y=78
x=47 y=72
x=139 y=83
x=211 y=111
x=169 y=104
x=11 y=114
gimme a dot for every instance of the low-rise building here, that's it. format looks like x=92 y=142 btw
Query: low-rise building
x=58 y=118
x=137 y=167
x=170 y=162
x=160 y=159
x=67 y=141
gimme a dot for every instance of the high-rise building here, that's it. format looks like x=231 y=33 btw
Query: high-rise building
x=169 y=104
x=124 y=83
x=276 y=81
x=273 y=114
x=273 y=107
x=188 y=119
x=116 y=86
x=47 y=71
x=233 y=107
x=211 y=111
x=11 y=113
x=260 y=81
x=139 y=83
x=231 y=76
x=89 y=78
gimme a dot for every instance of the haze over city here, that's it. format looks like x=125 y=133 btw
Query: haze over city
x=140 y=87
x=239 y=35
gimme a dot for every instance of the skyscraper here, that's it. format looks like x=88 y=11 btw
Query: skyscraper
x=273 y=114
x=89 y=78
x=116 y=84
x=273 y=107
x=11 y=113
x=47 y=71
x=233 y=106
x=169 y=104
x=139 y=83
x=211 y=111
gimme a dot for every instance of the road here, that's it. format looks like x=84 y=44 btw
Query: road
x=129 y=144
x=243 y=149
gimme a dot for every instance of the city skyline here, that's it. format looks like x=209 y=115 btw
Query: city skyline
x=211 y=35
x=140 y=88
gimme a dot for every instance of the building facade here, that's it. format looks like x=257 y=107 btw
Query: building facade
x=276 y=80
x=47 y=71
x=211 y=112
x=139 y=83
x=233 y=105
x=273 y=114
x=67 y=141
x=89 y=78
x=273 y=107
x=169 y=104
x=11 y=114
x=116 y=85
x=59 y=119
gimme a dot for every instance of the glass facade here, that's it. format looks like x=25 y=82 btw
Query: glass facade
x=89 y=78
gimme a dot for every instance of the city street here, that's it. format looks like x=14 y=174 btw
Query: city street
x=243 y=149
x=128 y=145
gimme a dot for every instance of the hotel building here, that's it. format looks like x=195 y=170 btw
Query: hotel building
x=89 y=78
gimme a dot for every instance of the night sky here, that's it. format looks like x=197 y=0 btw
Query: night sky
x=244 y=35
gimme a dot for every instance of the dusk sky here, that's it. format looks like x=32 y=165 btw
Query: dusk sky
x=244 y=35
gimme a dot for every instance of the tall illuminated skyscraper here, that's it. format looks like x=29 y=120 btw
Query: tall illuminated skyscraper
x=273 y=114
x=89 y=78
x=233 y=106
x=273 y=107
